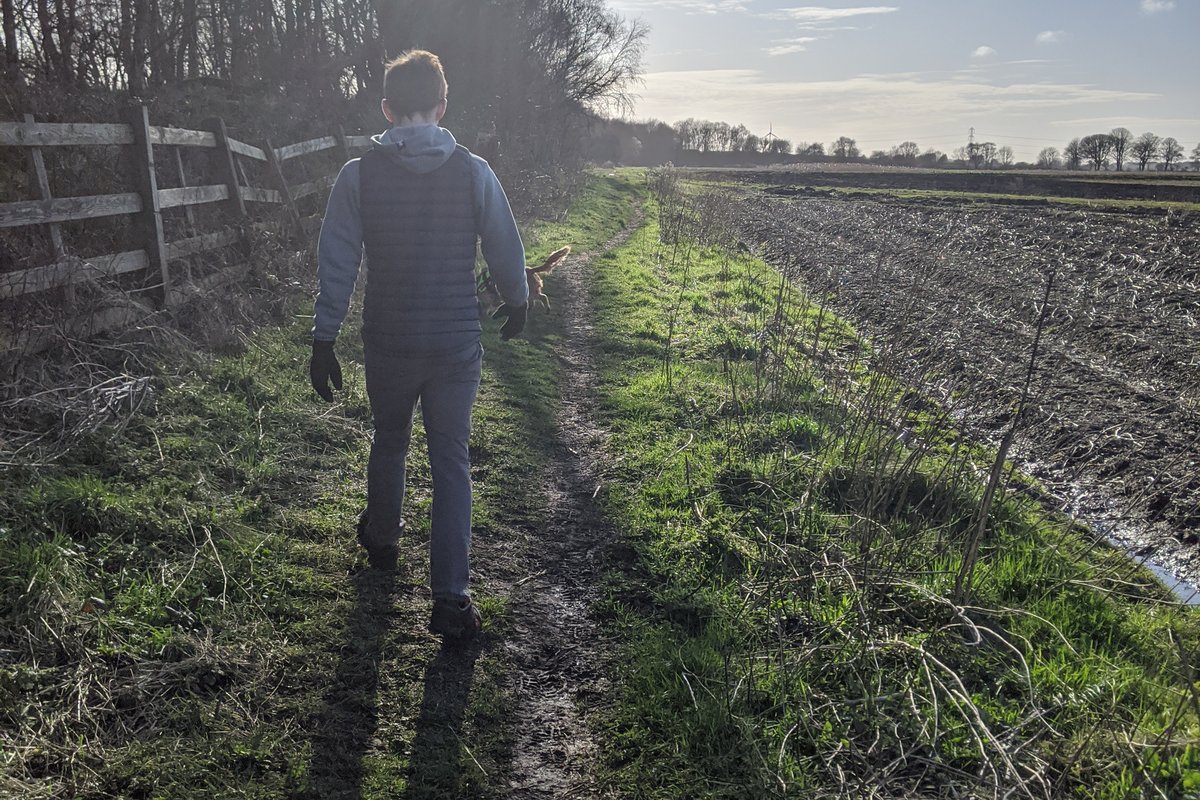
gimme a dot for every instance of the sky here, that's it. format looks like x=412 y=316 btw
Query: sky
x=1022 y=73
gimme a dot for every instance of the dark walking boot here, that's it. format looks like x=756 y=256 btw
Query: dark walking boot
x=453 y=618
x=380 y=555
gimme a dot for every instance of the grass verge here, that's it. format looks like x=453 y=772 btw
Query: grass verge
x=793 y=623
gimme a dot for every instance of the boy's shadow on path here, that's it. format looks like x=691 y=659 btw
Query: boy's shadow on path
x=347 y=724
x=435 y=768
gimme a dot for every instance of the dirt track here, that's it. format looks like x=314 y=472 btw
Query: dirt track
x=557 y=647
x=1115 y=430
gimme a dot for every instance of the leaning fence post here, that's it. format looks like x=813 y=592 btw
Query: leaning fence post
x=150 y=218
x=226 y=167
x=284 y=192
x=43 y=185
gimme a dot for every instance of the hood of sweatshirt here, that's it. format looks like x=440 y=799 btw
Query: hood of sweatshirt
x=417 y=148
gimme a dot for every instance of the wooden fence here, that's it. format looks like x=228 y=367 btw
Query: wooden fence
x=154 y=149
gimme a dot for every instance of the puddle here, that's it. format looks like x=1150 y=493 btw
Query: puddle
x=1157 y=553
x=1185 y=591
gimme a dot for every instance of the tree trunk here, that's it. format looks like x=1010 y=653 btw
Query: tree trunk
x=191 y=32
x=46 y=29
x=130 y=55
x=66 y=11
x=218 y=39
x=141 y=38
x=159 y=46
x=318 y=30
x=237 y=41
x=12 y=55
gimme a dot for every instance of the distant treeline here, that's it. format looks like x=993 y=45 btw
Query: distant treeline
x=693 y=141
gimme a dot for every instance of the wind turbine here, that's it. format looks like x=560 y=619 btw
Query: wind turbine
x=766 y=140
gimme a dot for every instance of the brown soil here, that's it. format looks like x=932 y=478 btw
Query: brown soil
x=1037 y=186
x=1114 y=430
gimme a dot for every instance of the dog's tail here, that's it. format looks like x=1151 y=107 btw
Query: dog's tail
x=553 y=260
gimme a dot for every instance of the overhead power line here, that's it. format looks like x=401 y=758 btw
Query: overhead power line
x=1022 y=138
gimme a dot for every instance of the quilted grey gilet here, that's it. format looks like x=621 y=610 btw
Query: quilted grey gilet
x=419 y=234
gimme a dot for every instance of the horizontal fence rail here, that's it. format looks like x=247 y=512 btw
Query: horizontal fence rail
x=72 y=270
x=302 y=148
x=49 y=134
x=226 y=183
x=66 y=209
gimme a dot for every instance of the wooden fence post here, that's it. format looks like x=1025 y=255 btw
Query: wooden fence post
x=226 y=165
x=183 y=182
x=43 y=185
x=147 y=184
x=343 y=142
x=284 y=191
x=188 y=214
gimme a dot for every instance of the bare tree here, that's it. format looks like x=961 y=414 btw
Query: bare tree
x=593 y=54
x=1196 y=157
x=779 y=147
x=906 y=152
x=983 y=154
x=1121 y=137
x=737 y=137
x=1171 y=152
x=1004 y=155
x=1048 y=158
x=1073 y=154
x=721 y=132
x=931 y=157
x=1145 y=149
x=845 y=148
x=687 y=133
x=1097 y=149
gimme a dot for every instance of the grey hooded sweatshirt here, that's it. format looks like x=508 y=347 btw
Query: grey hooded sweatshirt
x=420 y=149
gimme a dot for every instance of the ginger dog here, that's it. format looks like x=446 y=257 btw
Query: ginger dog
x=533 y=276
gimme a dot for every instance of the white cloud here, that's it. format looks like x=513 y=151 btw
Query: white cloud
x=983 y=51
x=1049 y=37
x=823 y=14
x=740 y=94
x=1155 y=6
x=785 y=47
x=1140 y=123
x=686 y=6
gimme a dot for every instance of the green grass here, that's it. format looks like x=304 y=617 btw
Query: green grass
x=186 y=616
x=185 y=610
x=788 y=616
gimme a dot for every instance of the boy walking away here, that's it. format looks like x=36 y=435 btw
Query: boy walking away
x=415 y=205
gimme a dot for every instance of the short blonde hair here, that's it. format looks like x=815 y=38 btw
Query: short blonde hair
x=414 y=83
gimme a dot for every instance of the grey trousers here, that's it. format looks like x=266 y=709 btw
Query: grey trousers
x=446 y=388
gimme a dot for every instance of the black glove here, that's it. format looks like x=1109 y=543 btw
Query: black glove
x=324 y=368
x=516 y=319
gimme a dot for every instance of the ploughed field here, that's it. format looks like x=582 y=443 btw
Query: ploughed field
x=952 y=297
x=1025 y=187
